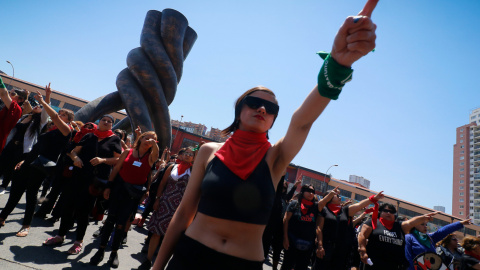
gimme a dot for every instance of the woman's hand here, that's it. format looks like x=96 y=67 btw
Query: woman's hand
x=320 y=252
x=286 y=243
x=363 y=256
x=96 y=161
x=379 y=196
x=138 y=132
x=428 y=217
x=19 y=164
x=106 y=193
x=356 y=37
x=466 y=222
x=78 y=162
x=150 y=142
x=38 y=97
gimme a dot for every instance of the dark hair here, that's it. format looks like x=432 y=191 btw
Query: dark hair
x=300 y=195
x=446 y=241
x=386 y=205
x=469 y=243
x=122 y=133
x=238 y=108
x=35 y=126
x=70 y=113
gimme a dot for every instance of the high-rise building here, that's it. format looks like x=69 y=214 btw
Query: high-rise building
x=359 y=180
x=439 y=208
x=466 y=170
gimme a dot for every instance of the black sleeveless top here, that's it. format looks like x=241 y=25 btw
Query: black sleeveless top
x=227 y=196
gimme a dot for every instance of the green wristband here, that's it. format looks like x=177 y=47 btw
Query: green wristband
x=332 y=77
x=1 y=83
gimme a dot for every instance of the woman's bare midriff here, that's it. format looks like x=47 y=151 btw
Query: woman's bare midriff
x=239 y=239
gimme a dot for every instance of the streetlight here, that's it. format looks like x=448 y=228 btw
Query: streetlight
x=10 y=83
x=325 y=177
x=179 y=126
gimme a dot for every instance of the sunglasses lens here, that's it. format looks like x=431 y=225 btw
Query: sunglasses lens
x=255 y=103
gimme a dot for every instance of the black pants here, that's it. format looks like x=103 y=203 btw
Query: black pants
x=191 y=254
x=10 y=156
x=273 y=236
x=28 y=179
x=51 y=198
x=336 y=257
x=121 y=208
x=296 y=259
x=78 y=204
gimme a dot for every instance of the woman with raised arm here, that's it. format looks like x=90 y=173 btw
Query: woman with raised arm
x=130 y=176
x=231 y=191
x=31 y=173
x=336 y=230
x=93 y=158
x=419 y=241
x=386 y=238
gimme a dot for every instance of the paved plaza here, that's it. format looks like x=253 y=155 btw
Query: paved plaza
x=21 y=253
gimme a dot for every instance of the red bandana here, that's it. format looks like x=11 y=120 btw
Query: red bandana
x=305 y=204
x=470 y=253
x=182 y=167
x=83 y=131
x=103 y=134
x=374 y=210
x=243 y=151
x=387 y=223
x=335 y=208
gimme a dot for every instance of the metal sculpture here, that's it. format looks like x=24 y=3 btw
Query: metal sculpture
x=149 y=83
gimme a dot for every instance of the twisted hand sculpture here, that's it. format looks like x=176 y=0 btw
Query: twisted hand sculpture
x=148 y=85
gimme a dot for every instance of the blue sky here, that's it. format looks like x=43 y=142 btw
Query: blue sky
x=393 y=124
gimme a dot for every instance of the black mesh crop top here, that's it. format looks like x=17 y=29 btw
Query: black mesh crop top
x=227 y=196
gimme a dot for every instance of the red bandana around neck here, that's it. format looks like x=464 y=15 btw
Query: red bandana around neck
x=305 y=204
x=103 y=134
x=387 y=223
x=335 y=208
x=83 y=131
x=470 y=253
x=243 y=151
x=183 y=166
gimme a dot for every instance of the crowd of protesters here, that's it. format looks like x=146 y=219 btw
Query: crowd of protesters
x=220 y=205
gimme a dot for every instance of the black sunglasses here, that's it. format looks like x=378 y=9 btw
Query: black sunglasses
x=389 y=211
x=255 y=103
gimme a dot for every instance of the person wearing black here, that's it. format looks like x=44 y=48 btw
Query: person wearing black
x=336 y=226
x=93 y=158
x=386 y=238
x=63 y=174
x=29 y=176
x=273 y=234
x=471 y=259
x=448 y=250
x=300 y=228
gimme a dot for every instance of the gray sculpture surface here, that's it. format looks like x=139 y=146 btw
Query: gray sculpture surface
x=149 y=83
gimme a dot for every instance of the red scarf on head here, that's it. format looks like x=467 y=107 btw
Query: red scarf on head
x=243 y=151
x=83 y=131
x=335 y=208
x=182 y=167
x=103 y=134
x=305 y=204
x=470 y=253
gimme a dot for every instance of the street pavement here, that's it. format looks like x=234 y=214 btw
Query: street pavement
x=22 y=253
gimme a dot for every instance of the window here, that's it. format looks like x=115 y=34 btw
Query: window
x=461 y=130
x=188 y=143
x=473 y=117
x=461 y=135
x=346 y=193
x=462 y=206
x=54 y=102
x=461 y=141
x=461 y=181
x=460 y=213
x=462 y=175
x=461 y=200
x=319 y=186
x=462 y=169
x=72 y=107
x=462 y=146
x=461 y=193
x=462 y=158
x=461 y=187
x=462 y=163
x=359 y=197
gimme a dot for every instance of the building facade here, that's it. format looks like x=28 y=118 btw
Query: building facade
x=359 y=180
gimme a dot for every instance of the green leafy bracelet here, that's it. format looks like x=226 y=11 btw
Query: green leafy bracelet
x=332 y=77
x=1 y=83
